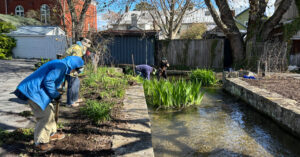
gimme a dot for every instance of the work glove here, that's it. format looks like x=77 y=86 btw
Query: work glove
x=57 y=99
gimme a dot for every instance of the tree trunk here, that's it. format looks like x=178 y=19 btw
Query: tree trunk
x=77 y=23
x=171 y=22
x=226 y=23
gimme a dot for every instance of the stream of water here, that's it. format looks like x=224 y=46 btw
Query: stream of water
x=220 y=126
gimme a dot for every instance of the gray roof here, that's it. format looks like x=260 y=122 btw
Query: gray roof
x=37 y=30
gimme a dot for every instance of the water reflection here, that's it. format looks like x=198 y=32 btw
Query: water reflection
x=221 y=126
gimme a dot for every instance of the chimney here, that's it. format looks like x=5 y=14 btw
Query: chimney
x=134 y=20
x=126 y=8
x=233 y=13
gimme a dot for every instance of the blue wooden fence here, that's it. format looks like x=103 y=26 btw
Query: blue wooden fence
x=142 y=48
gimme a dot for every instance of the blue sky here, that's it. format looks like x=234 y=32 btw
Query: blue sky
x=237 y=5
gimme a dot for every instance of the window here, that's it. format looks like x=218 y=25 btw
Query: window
x=207 y=13
x=19 y=10
x=246 y=23
x=45 y=14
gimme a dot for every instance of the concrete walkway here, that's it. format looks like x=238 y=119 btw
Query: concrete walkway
x=12 y=72
x=134 y=138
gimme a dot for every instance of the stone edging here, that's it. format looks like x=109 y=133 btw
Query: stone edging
x=133 y=137
x=283 y=110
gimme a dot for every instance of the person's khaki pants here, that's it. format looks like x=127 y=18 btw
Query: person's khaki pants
x=45 y=125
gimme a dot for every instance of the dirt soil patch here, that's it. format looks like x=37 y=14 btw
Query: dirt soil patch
x=83 y=138
x=285 y=86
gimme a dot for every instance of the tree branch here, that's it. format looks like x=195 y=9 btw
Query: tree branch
x=216 y=17
x=227 y=17
x=179 y=19
x=84 y=9
x=72 y=11
x=275 y=18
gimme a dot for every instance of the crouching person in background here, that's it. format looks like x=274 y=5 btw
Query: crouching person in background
x=39 y=89
x=144 y=71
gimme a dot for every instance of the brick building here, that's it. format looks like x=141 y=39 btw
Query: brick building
x=20 y=7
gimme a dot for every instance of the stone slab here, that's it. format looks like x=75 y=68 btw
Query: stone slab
x=282 y=110
x=134 y=138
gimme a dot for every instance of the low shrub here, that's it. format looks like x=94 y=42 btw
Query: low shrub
x=204 y=76
x=176 y=94
x=6 y=43
x=97 y=111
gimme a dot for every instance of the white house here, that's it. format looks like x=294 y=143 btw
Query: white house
x=39 y=42
x=289 y=16
x=133 y=20
x=198 y=16
x=142 y=20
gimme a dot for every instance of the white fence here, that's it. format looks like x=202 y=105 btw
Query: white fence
x=40 y=46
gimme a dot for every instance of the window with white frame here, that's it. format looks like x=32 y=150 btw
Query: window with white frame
x=45 y=14
x=19 y=10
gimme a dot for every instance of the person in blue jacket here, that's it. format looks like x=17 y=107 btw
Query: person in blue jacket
x=39 y=88
x=144 y=71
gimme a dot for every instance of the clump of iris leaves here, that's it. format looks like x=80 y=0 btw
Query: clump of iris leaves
x=178 y=94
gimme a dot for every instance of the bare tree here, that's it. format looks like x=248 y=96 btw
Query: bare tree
x=60 y=5
x=111 y=16
x=77 y=20
x=168 y=15
x=258 y=28
x=78 y=11
x=99 y=48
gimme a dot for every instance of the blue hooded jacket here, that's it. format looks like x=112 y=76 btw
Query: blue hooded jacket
x=41 y=86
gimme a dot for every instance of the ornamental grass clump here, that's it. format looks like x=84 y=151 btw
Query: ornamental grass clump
x=97 y=111
x=204 y=76
x=176 y=94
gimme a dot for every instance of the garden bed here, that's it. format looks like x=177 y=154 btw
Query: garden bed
x=88 y=128
x=285 y=86
x=83 y=138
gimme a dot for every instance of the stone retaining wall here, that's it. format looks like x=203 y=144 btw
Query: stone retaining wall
x=283 y=110
x=133 y=137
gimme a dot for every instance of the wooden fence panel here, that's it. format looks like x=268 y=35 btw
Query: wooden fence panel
x=193 y=53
